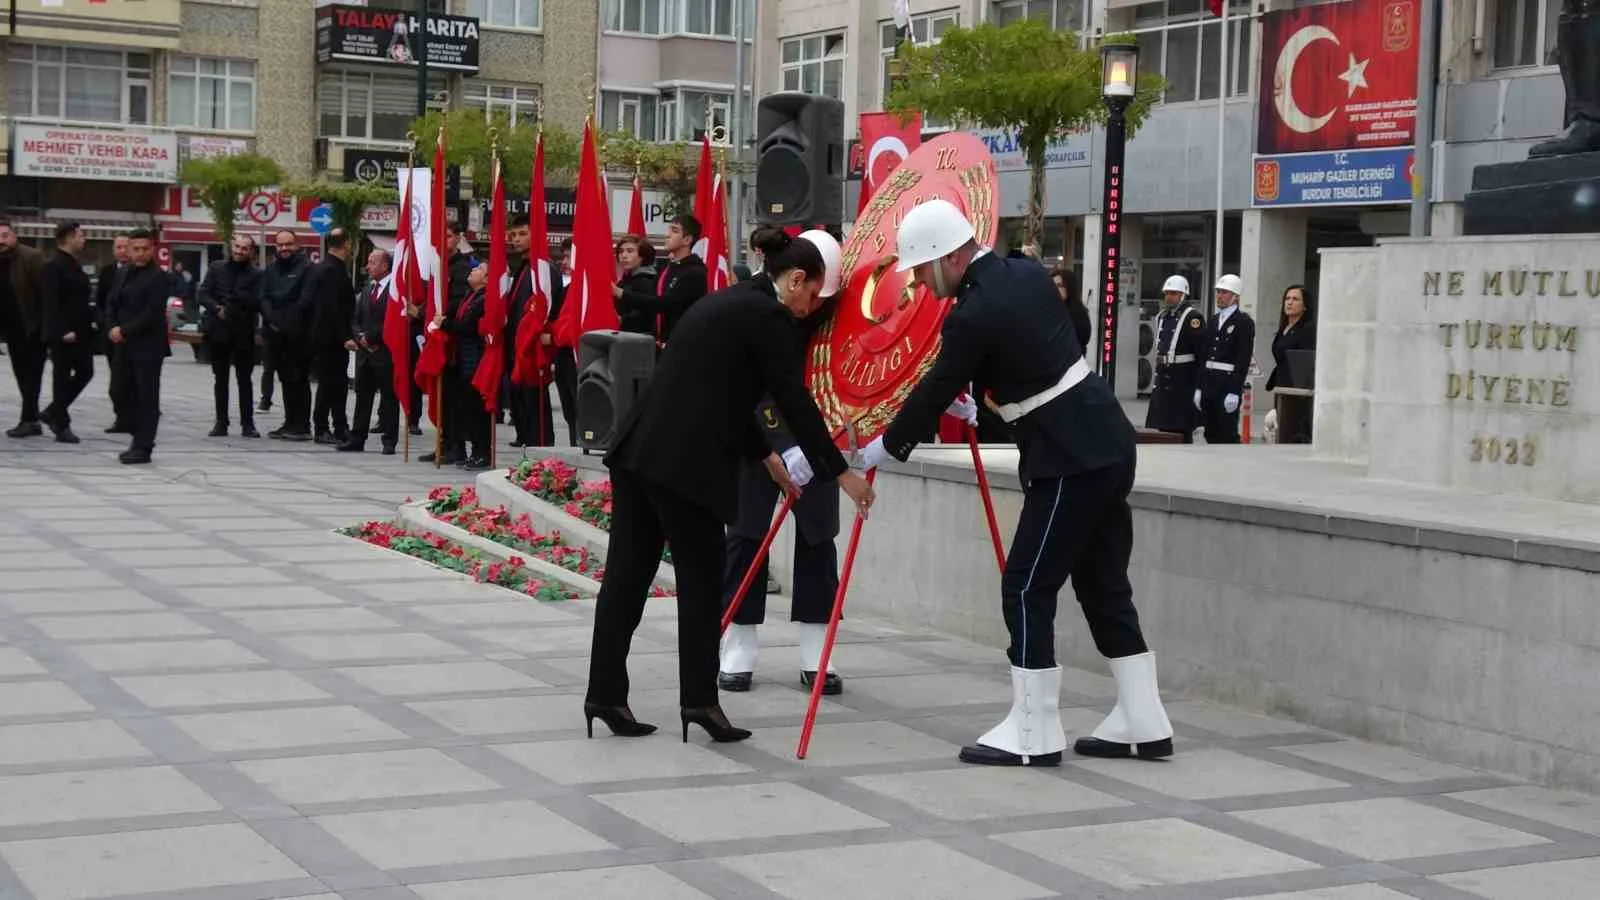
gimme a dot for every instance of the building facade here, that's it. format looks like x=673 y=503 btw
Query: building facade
x=105 y=101
x=1497 y=92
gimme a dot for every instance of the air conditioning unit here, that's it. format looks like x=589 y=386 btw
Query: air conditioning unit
x=1147 y=354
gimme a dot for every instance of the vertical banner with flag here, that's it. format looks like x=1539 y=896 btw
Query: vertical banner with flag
x=704 y=189
x=533 y=359
x=1341 y=121
x=402 y=292
x=435 y=346
x=636 y=208
x=719 y=269
x=589 y=305
x=886 y=141
x=491 y=368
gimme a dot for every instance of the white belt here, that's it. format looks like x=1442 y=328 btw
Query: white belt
x=1219 y=366
x=1077 y=372
x=1180 y=359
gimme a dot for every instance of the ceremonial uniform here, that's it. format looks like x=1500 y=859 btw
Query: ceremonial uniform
x=816 y=565
x=1180 y=339
x=1009 y=331
x=1226 y=367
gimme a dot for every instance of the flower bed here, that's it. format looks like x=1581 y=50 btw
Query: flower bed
x=460 y=507
x=448 y=555
x=556 y=482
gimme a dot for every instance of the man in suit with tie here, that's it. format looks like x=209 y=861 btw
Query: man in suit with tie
x=1227 y=364
x=1009 y=331
x=139 y=329
x=374 y=367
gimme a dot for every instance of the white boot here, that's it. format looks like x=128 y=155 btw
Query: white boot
x=1031 y=733
x=1137 y=725
x=740 y=647
x=811 y=639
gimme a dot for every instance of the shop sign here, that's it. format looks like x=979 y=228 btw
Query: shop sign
x=390 y=37
x=1342 y=178
x=655 y=211
x=383 y=167
x=94 y=154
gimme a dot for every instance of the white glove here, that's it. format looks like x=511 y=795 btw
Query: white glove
x=874 y=455
x=1197 y=400
x=1230 y=403
x=964 y=408
x=799 y=467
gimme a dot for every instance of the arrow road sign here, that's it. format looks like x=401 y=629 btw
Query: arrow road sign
x=322 y=219
x=262 y=207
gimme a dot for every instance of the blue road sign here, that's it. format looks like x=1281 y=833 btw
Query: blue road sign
x=322 y=219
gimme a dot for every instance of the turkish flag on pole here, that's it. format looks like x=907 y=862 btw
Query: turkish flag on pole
x=704 y=188
x=719 y=272
x=435 y=348
x=396 y=324
x=1215 y=6
x=636 y=208
x=888 y=142
x=493 y=324
x=589 y=305
x=533 y=359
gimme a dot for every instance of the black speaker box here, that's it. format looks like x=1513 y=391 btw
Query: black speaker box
x=799 y=159
x=613 y=368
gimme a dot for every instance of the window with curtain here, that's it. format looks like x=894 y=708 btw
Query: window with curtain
x=507 y=13
x=1525 y=33
x=1063 y=15
x=1178 y=39
x=78 y=83
x=518 y=103
x=630 y=112
x=633 y=16
x=214 y=94
x=369 y=106
x=814 y=64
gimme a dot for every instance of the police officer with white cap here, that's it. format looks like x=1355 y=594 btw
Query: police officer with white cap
x=1180 y=336
x=1227 y=364
x=816 y=519
x=1009 y=330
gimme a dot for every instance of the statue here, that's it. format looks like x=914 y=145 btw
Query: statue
x=1578 y=53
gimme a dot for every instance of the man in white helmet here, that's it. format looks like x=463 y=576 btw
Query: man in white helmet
x=1010 y=331
x=816 y=519
x=1180 y=337
x=1226 y=364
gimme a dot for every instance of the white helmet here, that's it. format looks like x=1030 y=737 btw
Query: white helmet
x=1232 y=284
x=929 y=231
x=832 y=260
x=1176 y=283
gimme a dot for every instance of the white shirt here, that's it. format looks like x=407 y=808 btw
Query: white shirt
x=1223 y=314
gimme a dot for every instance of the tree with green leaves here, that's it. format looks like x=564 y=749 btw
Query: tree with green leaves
x=347 y=199
x=469 y=143
x=1024 y=76
x=670 y=168
x=221 y=184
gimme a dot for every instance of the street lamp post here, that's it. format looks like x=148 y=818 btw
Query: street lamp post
x=1119 y=72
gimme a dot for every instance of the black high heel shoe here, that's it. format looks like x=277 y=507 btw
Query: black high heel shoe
x=617 y=718
x=714 y=721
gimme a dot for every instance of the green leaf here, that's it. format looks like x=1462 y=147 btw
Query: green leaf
x=221 y=184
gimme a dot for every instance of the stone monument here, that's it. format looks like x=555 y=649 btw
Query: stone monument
x=1557 y=189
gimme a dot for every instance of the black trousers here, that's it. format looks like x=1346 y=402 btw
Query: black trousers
x=468 y=415
x=71 y=369
x=415 y=418
x=645 y=518
x=294 y=370
x=567 y=389
x=235 y=359
x=816 y=566
x=1080 y=527
x=376 y=378
x=144 y=400
x=270 y=343
x=452 y=422
x=1222 y=427
x=27 y=364
x=333 y=387
x=531 y=415
x=120 y=388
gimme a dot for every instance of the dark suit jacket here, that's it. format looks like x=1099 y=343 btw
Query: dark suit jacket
x=462 y=326
x=693 y=425
x=140 y=310
x=1231 y=342
x=371 y=307
x=328 y=302
x=236 y=288
x=66 y=307
x=1010 y=332
x=685 y=283
x=638 y=285
x=1303 y=336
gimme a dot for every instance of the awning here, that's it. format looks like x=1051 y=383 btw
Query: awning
x=383 y=242
x=185 y=233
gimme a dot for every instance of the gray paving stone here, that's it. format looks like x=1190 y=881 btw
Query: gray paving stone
x=1389 y=828
x=559 y=639
x=59 y=580
x=1227 y=721
x=742 y=811
x=219 y=689
x=620 y=883
x=1345 y=892
x=39 y=698
x=1578 y=812
x=58 y=742
x=188 y=576
x=11 y=563
x=14 y=662
x=588 y=762
x=118 y=599
x=1209 y=773
x=376 y=646
x=971 y=793
x=289 y=621
x=130 y=626
x=1378 y=762
x=272 y=729
x=1132 y=855
x=482 y=612
x=166 y=655
x=509 y=715
x=855 y=744
x=918 y=691
x=450 y=835
x=363 y=776
x=1572 y=879
x=187 y=556
x=921 y=869
x=287 y=596
x=102 y=794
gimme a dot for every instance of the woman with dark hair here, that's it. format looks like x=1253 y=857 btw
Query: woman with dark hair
x=1067 y=286
x=636 y=258
x=675 y=473
x=1297 y=330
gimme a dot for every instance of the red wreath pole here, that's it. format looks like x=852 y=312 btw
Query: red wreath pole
x=755 y=564
x=988 y=499
x=833 y=630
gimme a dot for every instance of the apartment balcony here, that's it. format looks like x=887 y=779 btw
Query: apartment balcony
x=146 y=25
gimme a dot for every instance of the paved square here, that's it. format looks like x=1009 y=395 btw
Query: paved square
x=206 y=694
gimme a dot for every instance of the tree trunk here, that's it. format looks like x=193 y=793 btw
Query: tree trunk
x=1033 y=225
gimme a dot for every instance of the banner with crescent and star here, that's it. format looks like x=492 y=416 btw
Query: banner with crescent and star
x=1337 y=117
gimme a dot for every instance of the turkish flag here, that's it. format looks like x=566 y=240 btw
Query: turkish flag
x=636 y=208
x=1341 y=76
x=492 y=326
x=719 y=274
x=589 y=304
x=886 y=142
x=533 y=357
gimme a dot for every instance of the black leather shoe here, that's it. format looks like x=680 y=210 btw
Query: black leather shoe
x=326 y=438
x=475 y=463
x=415 y=430
x=26 y=430
x=132 y=457
x=388 y=449
x=737 y=682
x=218 y=430
x=714 y=721
x=830 y=685
x=264 y=406
x=427 y=457
x=1090 y=746
x=249 y=431
x=119 y=428
x=979 y=755
x=617 y=718
x=64 y=435
x=351 y=447
x=296 y=436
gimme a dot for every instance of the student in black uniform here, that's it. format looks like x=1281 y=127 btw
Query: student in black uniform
x=1009 y=331
x=1180 y=335
x=1227 y=364
x=674 y=475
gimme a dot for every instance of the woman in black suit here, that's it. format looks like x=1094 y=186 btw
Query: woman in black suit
x=1297 y=330
x=675 y=474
